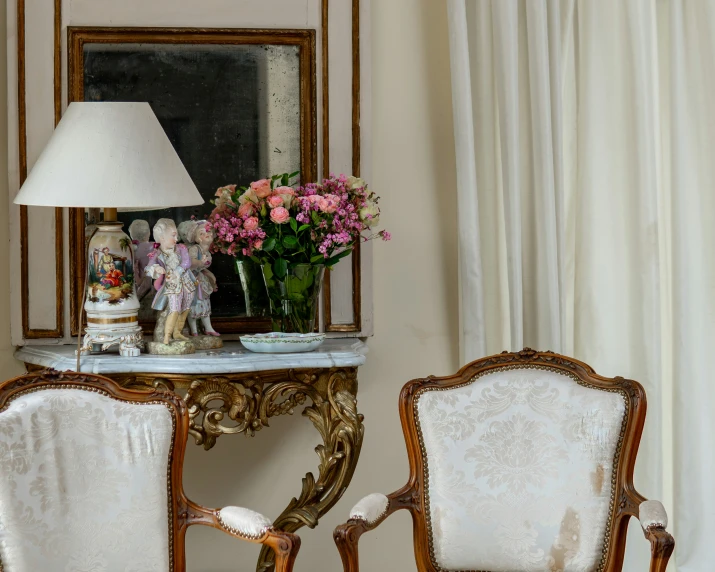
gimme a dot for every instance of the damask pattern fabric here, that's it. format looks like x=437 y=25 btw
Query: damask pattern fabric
x=83 y=485
x=520 y=464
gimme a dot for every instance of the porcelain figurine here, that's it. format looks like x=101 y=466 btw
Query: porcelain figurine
x=170 y=268
x=198 y=236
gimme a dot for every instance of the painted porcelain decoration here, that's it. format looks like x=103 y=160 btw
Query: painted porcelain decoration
x=280 y=343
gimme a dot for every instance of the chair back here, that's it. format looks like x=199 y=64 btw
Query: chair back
x=88 y=477
x=524 y=462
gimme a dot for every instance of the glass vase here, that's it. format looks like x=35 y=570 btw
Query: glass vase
x=254 y=288
x=294 y=299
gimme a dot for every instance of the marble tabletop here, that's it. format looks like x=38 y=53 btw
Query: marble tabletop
x=233 y=358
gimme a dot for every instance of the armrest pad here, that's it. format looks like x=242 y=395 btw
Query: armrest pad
x=652 y=514
x=370 y=509
x=244 y=522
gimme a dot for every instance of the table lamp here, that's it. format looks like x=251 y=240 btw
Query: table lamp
x=114 y=156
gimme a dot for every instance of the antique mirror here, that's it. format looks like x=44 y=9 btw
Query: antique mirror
x=237 y=105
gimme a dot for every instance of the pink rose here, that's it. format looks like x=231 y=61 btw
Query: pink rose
x=246 y=209
x=280 y=215
x=314 y=199
x=230 y=188
x=327 y=204
x=262 y=188
x=258 y=245
x=284 y=191
x=251 y=223
x=275 y=201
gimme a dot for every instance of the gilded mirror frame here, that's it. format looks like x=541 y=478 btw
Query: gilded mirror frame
x=305 y=39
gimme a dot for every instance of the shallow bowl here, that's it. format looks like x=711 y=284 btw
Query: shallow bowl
x=280 y=343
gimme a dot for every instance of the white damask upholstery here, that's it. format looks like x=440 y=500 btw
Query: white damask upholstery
x=83 y=483
x=244 y=522
x=652 y=513
x=371 y=508
x=520 y=467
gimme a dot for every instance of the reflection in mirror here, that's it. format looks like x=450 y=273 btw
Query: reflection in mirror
x=231 y=111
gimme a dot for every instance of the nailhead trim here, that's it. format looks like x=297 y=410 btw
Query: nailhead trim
x=377 y=519
x=109 y=395
x=614 y=476
x=240 y=533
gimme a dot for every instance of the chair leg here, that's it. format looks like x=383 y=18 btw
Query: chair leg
x=661 y=548
x=285 y=546
x=346 y=539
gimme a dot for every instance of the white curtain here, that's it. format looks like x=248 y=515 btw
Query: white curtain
x=585 y=137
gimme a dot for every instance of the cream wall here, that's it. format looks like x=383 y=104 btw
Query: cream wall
x=415 y=307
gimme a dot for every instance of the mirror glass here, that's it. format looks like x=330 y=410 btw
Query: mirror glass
x=231 y=111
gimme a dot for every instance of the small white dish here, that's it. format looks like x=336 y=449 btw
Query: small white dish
x=280 y=343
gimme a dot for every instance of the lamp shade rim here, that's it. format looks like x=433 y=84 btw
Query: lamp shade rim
x=109 y=154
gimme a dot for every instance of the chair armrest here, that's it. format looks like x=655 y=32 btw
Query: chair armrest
x=371 y=509
x=652 y=513
x=247 y=525
x=367 y=515
x=654 y=521
x=243 y=522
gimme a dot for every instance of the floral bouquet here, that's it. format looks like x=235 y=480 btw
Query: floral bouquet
x=294 y=232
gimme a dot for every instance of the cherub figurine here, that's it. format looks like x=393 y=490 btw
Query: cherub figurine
x=170 y=268
x=198 y=236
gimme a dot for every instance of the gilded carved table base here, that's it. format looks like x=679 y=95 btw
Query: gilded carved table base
x=244 y=403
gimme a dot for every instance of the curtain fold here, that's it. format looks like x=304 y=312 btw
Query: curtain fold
x=586 y=192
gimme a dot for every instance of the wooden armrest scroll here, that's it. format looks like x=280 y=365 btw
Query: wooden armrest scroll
x=231 y=521
x=654 y=521
x=365 y=517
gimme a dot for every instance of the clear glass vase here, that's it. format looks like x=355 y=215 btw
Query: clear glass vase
x=294 y=300
x=254 y=288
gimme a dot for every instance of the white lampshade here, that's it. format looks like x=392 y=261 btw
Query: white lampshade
x=106 y=154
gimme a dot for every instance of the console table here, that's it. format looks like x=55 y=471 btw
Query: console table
x=232 y=391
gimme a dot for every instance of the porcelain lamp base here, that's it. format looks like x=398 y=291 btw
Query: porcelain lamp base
x=111 y=300
x=130 y=340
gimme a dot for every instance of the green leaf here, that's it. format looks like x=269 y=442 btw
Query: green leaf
x=294 y=174
x=290 y=241
x=317 y=258
x=269 y=244
x=316 y=218
x=303 y=227
x=256 y=259
x=335 y=259
x=280 y=268
x=285 y=180
x=293 y=224
x=279 y=248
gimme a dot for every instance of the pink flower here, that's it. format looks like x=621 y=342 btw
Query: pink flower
x=262 y=188
x=246 y=209
x=258 y=245
x=314 y=199
x=284 y=191
x=251 y=223
x=230 y=188
x=275 y=201
x=328 y=204
x=279 y=215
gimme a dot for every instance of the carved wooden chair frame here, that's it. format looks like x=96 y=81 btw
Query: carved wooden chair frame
x=183 y=512
x=626 y=502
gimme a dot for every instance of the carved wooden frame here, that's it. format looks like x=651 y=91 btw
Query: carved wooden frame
x=305 y=39
x=183 y=512
x=414 y=496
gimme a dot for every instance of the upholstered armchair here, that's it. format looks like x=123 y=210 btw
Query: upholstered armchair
x=90 y=480
x=521 y=461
